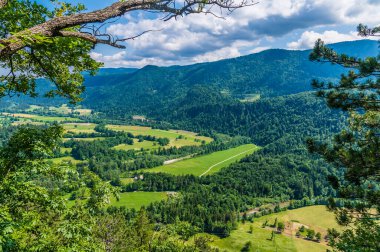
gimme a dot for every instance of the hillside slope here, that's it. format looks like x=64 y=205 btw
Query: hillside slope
x=153 y=90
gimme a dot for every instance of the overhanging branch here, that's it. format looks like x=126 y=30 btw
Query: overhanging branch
x=56 y=26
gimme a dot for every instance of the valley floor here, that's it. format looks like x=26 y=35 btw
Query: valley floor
x=207 y=164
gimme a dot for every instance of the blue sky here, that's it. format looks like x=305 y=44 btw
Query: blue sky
x=289 y=24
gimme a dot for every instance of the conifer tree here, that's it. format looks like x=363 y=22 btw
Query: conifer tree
x=356 y=150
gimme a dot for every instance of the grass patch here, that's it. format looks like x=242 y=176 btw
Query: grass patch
x=23 y=121
x=315 y=217
x=41 y=118
x=126 y=181
x=84 y=139
x=146 y=145
x=187 y=137
x=207 y=164
x=64 y=109
x=138 y=199
x=79 y=127
x=64 y=150
x=83 y=112
x=250 y=98
x=33 y=108
x=64 y=160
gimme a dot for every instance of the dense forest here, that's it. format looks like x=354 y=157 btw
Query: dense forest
x=153 y=91
x=263 y=98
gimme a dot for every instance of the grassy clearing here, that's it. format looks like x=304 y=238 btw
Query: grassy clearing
x=41 y=118
x=207 y=164
x=250 y=98
x=314 y=217
x=188 y=138
x=83 y=112
x=79 y=127
x=138 y=199
x=130 y=200
x=146 y=145
x=64 y=160
x=126 y=181
x=64 y=150
x=23 y=121
x=84 y=139
x=33 y=108
x=64 y=109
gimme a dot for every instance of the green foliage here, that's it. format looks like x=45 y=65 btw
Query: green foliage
x=280 y=226
x=27 y=207
x=27 y=148
x=247 y=247
x=251 y=229
x=318 y=236
x=163 y=141
x=355 y=149
x=310 y=233
x=60 y=59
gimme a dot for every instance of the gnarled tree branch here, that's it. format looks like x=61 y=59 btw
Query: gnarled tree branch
x=56 y=26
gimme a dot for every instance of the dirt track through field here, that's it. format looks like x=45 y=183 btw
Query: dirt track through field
x=212 y=166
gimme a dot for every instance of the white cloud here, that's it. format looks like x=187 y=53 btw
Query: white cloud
x=308 y=38
x=197 y=38
x=224 y=53
x=114 y=57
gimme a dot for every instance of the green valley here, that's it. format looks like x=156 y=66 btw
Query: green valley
x=202 y=152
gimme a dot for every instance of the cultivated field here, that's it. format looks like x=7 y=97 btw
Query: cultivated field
x=178 y=138
x=64 y=109
x=79 y=127
x=207 y=164
x=146 y=145
x=138 y=199
x=40 y=118
x=313 y=217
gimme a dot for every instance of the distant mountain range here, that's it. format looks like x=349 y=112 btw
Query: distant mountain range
x=270 y=73
x=154 y=90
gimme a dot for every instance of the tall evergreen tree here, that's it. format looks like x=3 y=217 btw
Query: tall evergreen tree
x=356 y=149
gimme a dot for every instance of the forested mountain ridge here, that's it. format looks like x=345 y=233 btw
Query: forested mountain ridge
x=151 y=90
x=269 y=73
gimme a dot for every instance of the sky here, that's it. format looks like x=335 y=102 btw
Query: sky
x=287 y=24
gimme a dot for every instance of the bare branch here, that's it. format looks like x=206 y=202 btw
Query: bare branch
x=136 y=36
x=90 y=38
